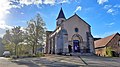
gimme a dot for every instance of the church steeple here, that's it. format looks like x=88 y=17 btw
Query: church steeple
x=61 y=14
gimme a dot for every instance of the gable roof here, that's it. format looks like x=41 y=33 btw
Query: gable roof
x=61 y=14
x=79 y=18
x=104 y=41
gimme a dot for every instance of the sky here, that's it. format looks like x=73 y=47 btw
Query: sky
x=102 y=15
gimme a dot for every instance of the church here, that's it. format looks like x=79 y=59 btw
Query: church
x=72 y=35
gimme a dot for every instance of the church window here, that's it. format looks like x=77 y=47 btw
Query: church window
x=76 y=30
x=62 y=20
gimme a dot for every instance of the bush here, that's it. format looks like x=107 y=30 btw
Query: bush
x=39 y=55
x=13 y=57
x=109 y=51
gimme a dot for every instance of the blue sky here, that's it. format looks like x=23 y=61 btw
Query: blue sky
x=102 y=15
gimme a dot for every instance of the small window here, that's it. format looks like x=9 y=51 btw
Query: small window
x=76 y=30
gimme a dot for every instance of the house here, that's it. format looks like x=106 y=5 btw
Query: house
x=108 y=46
x=72 y=35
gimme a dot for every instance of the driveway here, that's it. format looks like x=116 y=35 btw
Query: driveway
x=62 y=61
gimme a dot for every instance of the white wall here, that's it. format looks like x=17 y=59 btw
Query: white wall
x=75 y=22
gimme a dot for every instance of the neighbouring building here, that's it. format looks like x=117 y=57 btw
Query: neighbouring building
x=108 y=46
x=71 y=35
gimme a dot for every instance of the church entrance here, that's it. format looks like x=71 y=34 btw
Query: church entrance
x=69 y=48
x=76 y=46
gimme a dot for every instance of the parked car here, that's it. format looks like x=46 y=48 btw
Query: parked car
x=6 y=53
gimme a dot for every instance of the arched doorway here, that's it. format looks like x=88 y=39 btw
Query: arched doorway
x=76 y=46
x=76 y=43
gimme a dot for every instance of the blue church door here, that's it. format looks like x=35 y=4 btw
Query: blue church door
x=76 y=47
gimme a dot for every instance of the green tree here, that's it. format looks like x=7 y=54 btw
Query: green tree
x=36 y=32
x=7 y=41
x=12 y=38
x=17 y=37
x=109 y=51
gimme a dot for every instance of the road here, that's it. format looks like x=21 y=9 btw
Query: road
x=56 y=61
x=6 y=62
x=61 y=61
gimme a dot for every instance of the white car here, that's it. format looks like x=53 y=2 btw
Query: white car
x=6 y=53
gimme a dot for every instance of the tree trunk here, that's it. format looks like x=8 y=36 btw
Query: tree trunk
x=33 y=49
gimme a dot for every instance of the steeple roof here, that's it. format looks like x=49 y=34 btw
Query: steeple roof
x=61 y=14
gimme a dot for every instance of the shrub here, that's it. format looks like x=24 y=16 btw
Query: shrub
x=109 y=51
x=39 y=55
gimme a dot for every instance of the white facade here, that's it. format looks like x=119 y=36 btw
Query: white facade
x=73 y=32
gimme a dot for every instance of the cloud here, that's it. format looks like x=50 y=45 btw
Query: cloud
x=3 y=25
x=78 y=9
x=3 y=28
x=38 y=2
x=28 y=2
x=107 y=6
x=110 y=24
x=21 y=13
x=101 y=1
x=51 y=2
x=112 y=11
x=117 y=6
x=63 y=1
x=2 y=32
x=15 y=6
x=105 y=34
x=4 y=5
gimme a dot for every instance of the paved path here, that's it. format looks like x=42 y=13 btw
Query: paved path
x=95 y=61
x=5 y=62
x=51 y=61
x=61 y=61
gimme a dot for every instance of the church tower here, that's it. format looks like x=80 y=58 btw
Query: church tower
x=60 y=18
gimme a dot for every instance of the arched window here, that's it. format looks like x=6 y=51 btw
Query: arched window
x=76 y=30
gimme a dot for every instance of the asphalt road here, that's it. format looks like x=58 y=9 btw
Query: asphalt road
x=61 y=61
x=6 y=62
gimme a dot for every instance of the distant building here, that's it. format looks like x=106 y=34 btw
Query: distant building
x=71 y=35
x=108 y=45
x=96 y=39
x=1 y=47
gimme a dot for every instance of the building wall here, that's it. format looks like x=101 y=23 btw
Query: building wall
x=101 y=51
x=113 y=44
x=47 y=46
x=76 y=22
x=73 y=23
x=60 y=41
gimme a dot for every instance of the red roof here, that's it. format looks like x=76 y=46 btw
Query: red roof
x=104 y=41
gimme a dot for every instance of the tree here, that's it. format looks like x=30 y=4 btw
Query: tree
x=36 y=32
x=7 y=41
x=17 y=37
x=12 y=38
